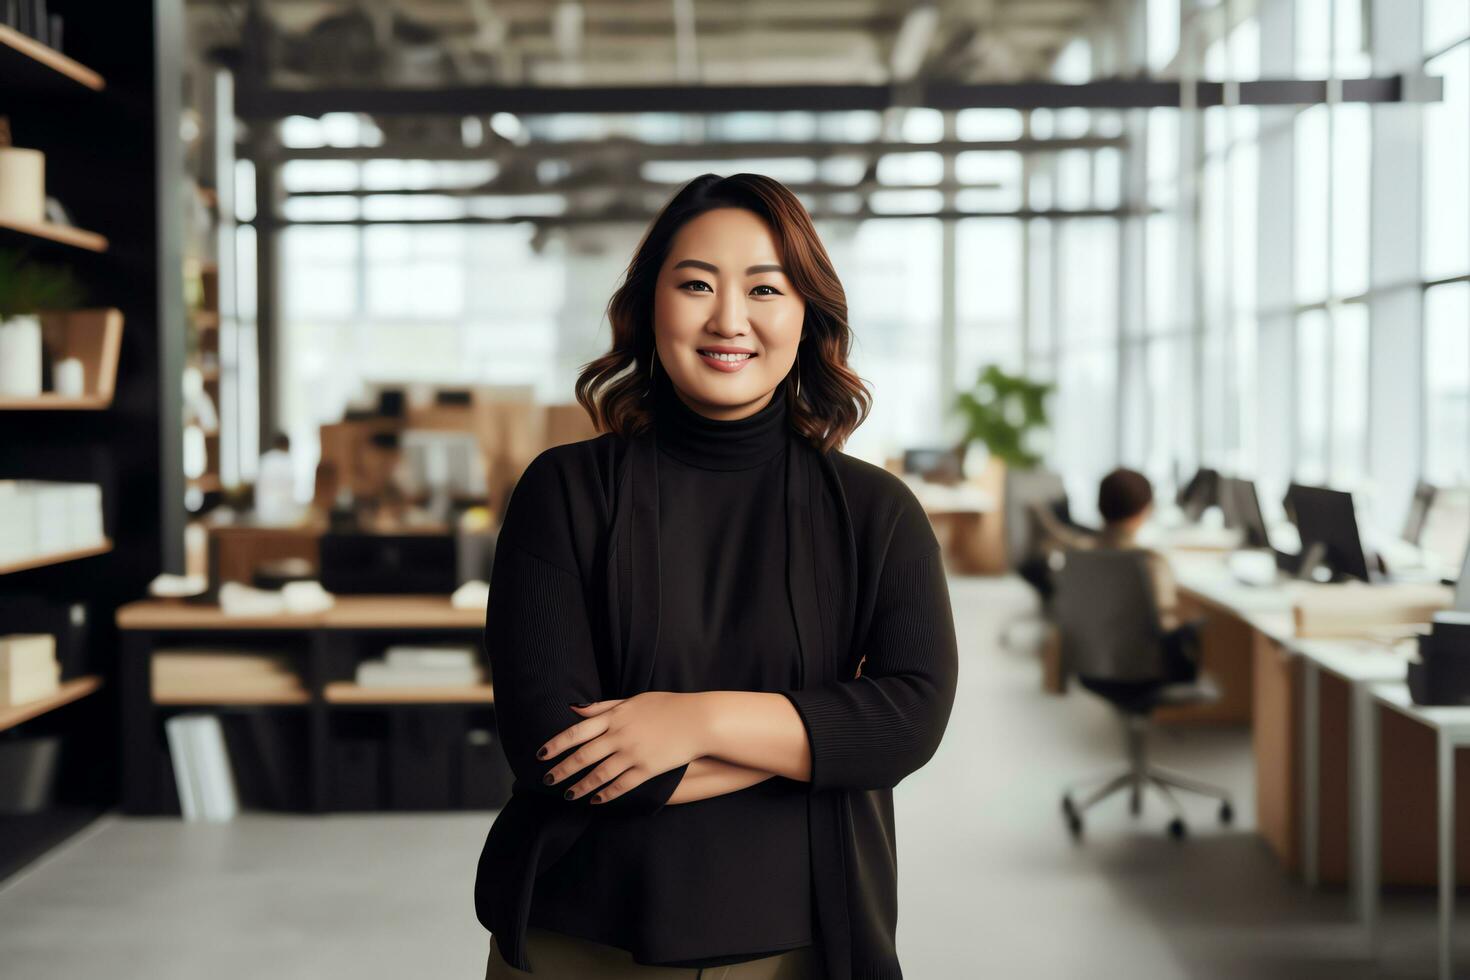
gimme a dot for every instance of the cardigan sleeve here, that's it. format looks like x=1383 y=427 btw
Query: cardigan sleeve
x=539 y=641
x=872 y=730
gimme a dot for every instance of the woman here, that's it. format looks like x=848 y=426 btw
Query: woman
x=717 y=642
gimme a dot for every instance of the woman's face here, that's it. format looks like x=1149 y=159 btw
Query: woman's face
x=722 y=289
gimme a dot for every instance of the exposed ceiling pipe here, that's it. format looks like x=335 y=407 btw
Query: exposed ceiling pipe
x=912 y=42
x=567 y=30
x=686 y=55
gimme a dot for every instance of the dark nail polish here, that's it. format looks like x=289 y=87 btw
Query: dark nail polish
x=581 y=704
x=547 y=779
x=596 y=797
x=567 y=794
x=540 y=753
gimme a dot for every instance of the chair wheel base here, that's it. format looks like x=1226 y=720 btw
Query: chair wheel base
x=1177 y=830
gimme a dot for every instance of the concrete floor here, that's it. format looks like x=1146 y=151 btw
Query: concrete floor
x=991 y=883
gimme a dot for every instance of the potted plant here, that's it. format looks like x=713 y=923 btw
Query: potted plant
x=26 y=291
x=1007 y=414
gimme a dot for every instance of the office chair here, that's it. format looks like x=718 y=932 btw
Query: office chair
x=1036 y=519
x=1113 y=645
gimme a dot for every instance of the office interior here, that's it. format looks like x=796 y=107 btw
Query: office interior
x=292 y=291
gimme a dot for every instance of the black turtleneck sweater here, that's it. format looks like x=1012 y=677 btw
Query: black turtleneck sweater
x=725 y=879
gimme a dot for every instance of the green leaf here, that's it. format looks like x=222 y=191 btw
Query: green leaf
x=27 y=287
x=1001 y=412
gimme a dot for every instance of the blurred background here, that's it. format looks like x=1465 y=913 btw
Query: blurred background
x=291 y=291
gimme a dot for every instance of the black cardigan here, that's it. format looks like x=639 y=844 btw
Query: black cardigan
x=573 y=616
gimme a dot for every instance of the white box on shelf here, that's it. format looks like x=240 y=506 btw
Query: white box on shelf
x=23 y=687
x=26 y=651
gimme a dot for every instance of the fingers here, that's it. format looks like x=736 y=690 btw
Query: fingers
x=614 y=771
x=593 y=708
x=573 y=735
x=596 y=751
x=629 y=779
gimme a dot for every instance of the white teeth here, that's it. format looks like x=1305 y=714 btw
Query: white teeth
x=726 y=357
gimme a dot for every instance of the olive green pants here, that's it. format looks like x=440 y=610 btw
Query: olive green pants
x=555 y=956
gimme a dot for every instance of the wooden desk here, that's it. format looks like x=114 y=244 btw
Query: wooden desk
x=967 y=521
x=1345 y=793
x=1450 y=728
x=325 y=647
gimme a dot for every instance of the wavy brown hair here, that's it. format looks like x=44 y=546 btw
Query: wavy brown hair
x=834 y=400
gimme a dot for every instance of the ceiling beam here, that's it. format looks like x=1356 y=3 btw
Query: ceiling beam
x=632 y=151
x=1142 y=93
x=625 y=213
x=525 y=187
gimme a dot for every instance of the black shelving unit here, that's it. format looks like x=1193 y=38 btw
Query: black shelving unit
x=105 y=111
x=321 y=755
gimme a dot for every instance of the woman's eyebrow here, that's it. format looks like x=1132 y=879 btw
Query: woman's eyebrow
x=715 y=269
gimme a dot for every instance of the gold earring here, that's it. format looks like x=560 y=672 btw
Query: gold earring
x=798 y=377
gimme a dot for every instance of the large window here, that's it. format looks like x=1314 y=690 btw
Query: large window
x=399 y=304
x=1330 y=232
x=1446 y=251
x=891 y=269
x=989 y=255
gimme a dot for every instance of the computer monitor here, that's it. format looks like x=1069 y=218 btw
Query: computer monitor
x=1418 y=515
x=935 y=464
x=1326 y=521
x=1200 y=493
x=1242 y=508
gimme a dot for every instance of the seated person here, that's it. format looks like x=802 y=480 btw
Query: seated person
x=1125 y=499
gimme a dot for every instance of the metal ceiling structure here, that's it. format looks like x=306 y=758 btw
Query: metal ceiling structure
x=599 y=43
x=488 y=80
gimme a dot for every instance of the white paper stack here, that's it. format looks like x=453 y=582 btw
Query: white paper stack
x=28 y=668
x=40 y=517
x=202 y=773
x=422 y=666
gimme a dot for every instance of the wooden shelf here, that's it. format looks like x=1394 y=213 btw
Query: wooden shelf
x=25 y=60
x=40 y=561
x=403 y=613
x=50 y=401
x=346 y=692
x=224 y=697
x=65 y=234
x=93 y=337
x=69 y=691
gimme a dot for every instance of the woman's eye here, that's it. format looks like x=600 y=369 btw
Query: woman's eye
x=700 y=282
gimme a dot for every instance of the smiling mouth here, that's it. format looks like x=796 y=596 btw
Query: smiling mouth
x=725 y=358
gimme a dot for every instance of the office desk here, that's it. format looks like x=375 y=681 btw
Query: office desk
x=1451 y=727
x=1317 y=792
x=1235 y=615
x=967 y=522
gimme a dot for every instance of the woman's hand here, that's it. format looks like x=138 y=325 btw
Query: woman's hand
x=630 y=740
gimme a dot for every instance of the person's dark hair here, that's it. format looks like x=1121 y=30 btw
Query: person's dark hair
x=1122 y=494
x=834 y=400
